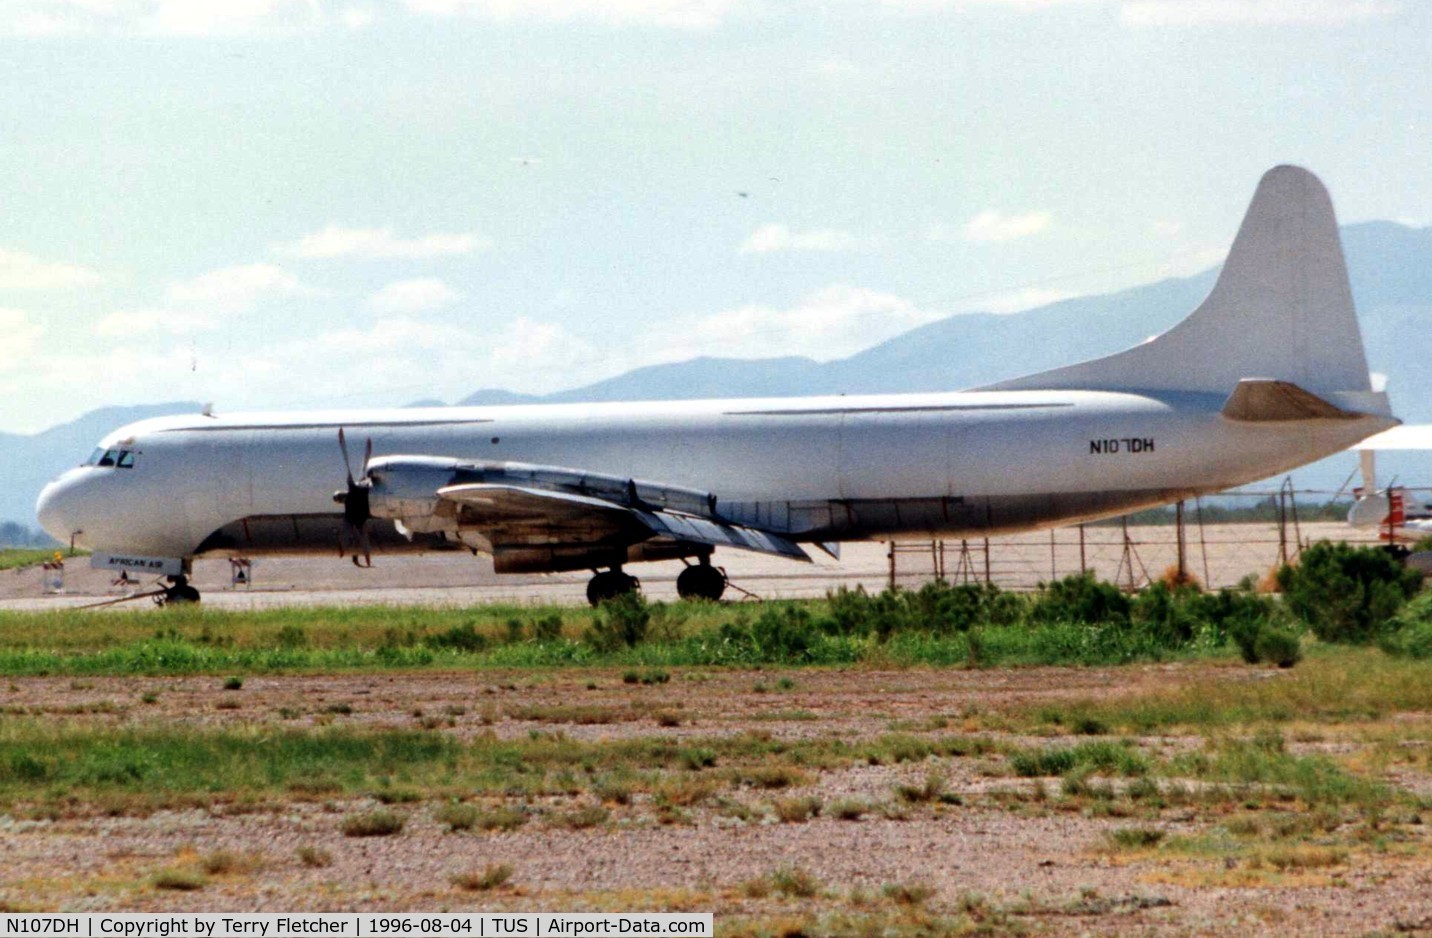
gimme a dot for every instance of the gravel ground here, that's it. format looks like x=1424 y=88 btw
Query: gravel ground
x=1047 y=870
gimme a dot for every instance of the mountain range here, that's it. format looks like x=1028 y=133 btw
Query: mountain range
x=1389 y=264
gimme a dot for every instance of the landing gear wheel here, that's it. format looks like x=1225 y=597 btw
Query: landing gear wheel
x=609 y=584
x=701 y=581
x=178 y=591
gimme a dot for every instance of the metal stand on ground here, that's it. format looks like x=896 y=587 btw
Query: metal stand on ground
x=1127 y=560
x=1202 y=541
x=1288 y=509
x=1182 y=543
x=965 y=571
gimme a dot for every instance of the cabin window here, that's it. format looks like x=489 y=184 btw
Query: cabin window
x=108 y=458
x=126 y=459
x=95 y=457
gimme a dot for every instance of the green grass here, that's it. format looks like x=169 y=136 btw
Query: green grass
x=197 y=640
x=13 y=558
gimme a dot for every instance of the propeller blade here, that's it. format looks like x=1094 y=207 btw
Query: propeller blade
x=367 y=457
x=347 y=464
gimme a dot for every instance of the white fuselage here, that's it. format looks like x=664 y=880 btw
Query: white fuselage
x=815 y=469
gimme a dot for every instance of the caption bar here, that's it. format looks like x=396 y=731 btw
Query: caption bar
x=357 y=925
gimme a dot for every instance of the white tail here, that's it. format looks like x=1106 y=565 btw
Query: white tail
x=1281 y=309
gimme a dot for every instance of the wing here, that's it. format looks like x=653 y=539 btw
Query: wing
x=512 y=514
x=534 y=517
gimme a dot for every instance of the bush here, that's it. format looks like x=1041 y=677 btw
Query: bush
x=783 y=633
x=548 y=628
x=1347 y=594
x=1167 y=614
x=621 y=622
x=372 y=824
x=937 y=608
x=1278 y=645
x=464 y=638
x=1080 y=598
x=1410 y=635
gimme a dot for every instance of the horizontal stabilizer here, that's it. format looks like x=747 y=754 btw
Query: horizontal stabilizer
x=1261 y=400
x=1409 y=436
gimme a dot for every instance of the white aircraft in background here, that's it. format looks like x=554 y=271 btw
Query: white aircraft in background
x=1388 y=508
x=1266 y=375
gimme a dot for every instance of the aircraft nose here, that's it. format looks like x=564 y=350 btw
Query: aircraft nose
x=57 y=508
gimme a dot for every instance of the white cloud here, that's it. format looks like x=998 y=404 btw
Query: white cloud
x=135 y=322
x=773 y=237
x=993 y=225
x=830 y=323
x=234 y=289
x=19 y=342
x=356 y=18
x=678 y=14
x=158 y=17
x=413 y=296
x=21 y=271
x=1239 y=12
x=337 y=241
x=1167 y=228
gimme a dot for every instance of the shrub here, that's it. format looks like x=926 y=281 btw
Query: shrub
x=796 y=810
x=490 y=878
x=783 y=633
x=457 y=817
x=233 y=683
x=1278 y=645
x=1166 y=613
x=582 y=818
x=372 y=824
x=464 y=638
x=179 y=880
x=621 y=622
x=548 y=628
x=314 y=857
x=1135 y=838
x=1347 y=594
x=1410 y=635
x=1080 y=598
x=849 y=809
x=291 y=637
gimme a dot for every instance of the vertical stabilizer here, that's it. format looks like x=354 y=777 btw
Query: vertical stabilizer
x=1281 y=309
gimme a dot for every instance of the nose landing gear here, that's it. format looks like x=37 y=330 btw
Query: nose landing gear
x=178 y=591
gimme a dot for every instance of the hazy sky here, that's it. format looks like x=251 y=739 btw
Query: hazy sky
x=265 y=203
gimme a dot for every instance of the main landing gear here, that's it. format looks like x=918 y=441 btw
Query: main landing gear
x=701 y=581
x=609 y=584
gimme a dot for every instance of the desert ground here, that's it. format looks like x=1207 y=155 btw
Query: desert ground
x=1188 y=797
x=790 y=802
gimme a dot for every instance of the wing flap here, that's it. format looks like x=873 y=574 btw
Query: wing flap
x=517 y=514
x=721 y=534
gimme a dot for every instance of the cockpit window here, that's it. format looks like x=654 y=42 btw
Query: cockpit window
x=123 y=458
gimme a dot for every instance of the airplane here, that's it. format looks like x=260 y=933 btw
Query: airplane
x=1268 y=373
x=1388 y=508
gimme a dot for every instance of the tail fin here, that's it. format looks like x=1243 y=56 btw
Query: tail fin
x=1281 y=309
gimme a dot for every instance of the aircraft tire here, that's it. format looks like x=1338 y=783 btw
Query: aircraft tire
x=609 y=584
x=701 y=581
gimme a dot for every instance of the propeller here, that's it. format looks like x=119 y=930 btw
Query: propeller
x=355 y=502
